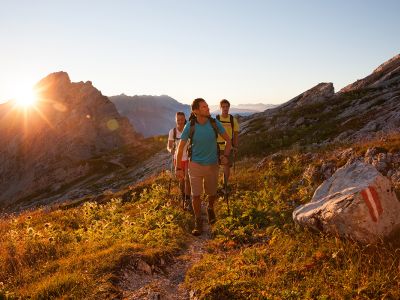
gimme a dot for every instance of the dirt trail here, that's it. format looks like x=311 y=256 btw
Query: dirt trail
x=166 y=285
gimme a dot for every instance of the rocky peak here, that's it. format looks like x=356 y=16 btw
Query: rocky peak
x=45 y=146
x=55 y=79
x=385 y=75
x=318 y=93
x=389 y=65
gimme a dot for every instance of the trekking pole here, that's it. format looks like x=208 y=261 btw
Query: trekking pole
x=184 y=191
x=182 y=186
x=226 y=196
x=171 y=175
x=234 y=162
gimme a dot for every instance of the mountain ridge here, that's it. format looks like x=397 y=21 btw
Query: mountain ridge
x=45 y=148
x=319 y=116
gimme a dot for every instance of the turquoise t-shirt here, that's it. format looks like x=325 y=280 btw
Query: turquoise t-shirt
x=204 y=145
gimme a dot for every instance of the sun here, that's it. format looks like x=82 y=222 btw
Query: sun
x=26 y=98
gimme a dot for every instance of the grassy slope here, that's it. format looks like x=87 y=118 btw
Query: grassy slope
x=78 y=252
x=257 y=252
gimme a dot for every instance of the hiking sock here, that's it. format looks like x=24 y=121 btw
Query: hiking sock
x=198 y=226
x=211 y=215
x=188 y=204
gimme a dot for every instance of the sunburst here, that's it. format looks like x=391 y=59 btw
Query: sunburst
x=26 y=98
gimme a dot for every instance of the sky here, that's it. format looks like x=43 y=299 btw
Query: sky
x=245 y=51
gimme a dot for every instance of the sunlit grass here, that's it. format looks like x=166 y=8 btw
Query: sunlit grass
x=259 y=253
x=77 y=252
x=256 y=251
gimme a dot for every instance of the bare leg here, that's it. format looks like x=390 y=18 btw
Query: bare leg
x=227 y=172
x=210 y=209
x=211 y=200
x=196 y=201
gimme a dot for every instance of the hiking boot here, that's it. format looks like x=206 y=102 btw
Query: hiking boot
x=188 y=205
x=211 y=215
x=198 y=228
x=226 y=190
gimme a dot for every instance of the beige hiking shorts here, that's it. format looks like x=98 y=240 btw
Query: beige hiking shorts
x=207 y=175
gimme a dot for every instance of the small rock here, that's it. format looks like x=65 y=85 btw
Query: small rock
x=154 y=295
x=371 y=152
x=144 y=267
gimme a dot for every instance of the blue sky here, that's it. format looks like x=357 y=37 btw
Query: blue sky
x=245 y=51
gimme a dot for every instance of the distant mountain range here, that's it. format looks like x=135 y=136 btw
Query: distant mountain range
x=243 y=109
x=150 y=115
x=155 y=115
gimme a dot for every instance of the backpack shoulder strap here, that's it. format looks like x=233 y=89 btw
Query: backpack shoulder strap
x=218 y=117
x=174 y=134
x=231 y=120
x=191 y=129
x=214 y=126
x=191 y=133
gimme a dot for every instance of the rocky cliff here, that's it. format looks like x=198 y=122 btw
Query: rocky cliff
x=319 y=116
x=46 y=147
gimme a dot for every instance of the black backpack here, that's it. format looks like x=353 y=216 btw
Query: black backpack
x=191 y=133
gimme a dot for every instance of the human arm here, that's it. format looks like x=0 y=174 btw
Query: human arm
x=235 y=136
x=171 y=142
x=181 y=147
x=178 y=171
x=171 y=146
x=224 y=157
x=235 y=142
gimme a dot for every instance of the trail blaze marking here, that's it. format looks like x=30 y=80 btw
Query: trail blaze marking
x=371 y=199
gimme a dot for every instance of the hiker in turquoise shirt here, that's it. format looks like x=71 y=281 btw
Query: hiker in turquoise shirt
x=203 y=151
x=201 y=133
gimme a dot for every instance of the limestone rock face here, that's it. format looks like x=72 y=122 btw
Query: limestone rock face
x=382 y=77
x=44 y=147
x=357 y=202
x=363 y=110
x=318 y=93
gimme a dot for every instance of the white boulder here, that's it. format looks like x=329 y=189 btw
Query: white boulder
x=357 y=202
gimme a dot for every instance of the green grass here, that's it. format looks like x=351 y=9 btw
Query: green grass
x=256 y=251
x=259 y=253
x=78 y=252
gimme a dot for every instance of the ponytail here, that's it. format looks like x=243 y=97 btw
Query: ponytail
x=192 y=116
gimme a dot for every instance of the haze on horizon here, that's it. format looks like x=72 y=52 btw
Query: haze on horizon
x=247 y=52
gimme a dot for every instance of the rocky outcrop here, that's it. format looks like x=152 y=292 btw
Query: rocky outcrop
x=383 y=76
x=150 y=115
x=44 y=148
x=357 y=202
x=368 y=108
x=319 y=93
